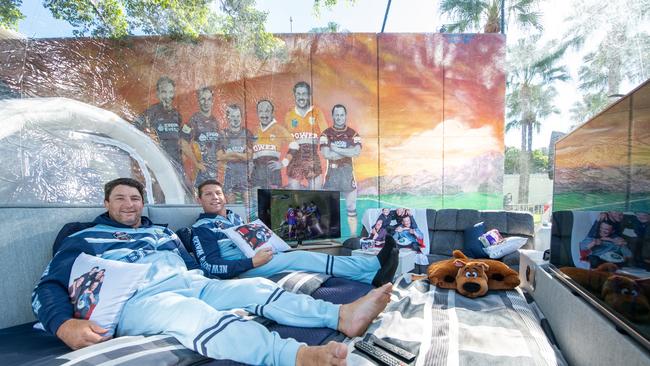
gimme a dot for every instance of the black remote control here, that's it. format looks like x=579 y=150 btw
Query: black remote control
x=377 y=354
x=394 y=349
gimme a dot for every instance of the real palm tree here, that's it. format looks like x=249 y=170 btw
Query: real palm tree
x=472 y=15
x=615 y=31
x=530 y=94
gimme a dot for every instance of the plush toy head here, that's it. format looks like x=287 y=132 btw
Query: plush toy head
x=472 y=279
x=626 y=296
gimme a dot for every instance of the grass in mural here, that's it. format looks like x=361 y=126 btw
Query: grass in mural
x=600 y=201
x=589 y=201
x=477 y=201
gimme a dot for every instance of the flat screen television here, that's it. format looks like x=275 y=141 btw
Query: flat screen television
x=300 y=216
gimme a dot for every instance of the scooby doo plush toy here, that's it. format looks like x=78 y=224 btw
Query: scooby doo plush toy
x=468 y=276
x=626 y=294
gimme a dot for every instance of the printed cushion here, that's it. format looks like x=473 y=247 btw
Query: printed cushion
x=473 y=246
x=99 y=288
x=492 y=237
x=254 y=236
x=507 y=246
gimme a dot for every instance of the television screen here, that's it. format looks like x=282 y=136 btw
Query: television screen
x=297 y=215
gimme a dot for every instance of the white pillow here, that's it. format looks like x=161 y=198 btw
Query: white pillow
x=254 y=236
x=98 y=288
x=507 y=246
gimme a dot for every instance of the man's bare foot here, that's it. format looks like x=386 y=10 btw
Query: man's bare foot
x=355 y=317
x=333 y=353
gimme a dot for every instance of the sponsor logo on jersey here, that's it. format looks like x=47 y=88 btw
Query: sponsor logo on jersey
x=208 y=136
x=168 y=127
x=260 y=147
x=121 y=235
x=340 y=143
x=304 y=135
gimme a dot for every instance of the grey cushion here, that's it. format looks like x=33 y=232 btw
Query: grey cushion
x=175 y=216
x=519 y=224
x=25 y=250
x=445 y=219
x=495 y=220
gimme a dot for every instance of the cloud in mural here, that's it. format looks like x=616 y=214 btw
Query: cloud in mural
x=461 y=143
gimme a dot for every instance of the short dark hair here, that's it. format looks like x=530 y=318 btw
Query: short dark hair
x=164 y=79
x=208 y=182
x=233 y=106
x=201 y=90
x=265 y=100
x=339 y=106
x=108 y=187
x=302 y=84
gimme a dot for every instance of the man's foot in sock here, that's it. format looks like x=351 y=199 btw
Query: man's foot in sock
x=355 y=317
x=388 y=268
x=333 y=353
x=385 y=252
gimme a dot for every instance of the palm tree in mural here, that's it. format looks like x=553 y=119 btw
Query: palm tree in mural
x=472 y=15
x=530 y=95
x=615 y=31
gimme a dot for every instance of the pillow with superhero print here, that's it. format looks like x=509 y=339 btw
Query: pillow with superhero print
x=98 y=288
x=253 y=236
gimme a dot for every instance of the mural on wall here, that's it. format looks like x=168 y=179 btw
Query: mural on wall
x=388 y=120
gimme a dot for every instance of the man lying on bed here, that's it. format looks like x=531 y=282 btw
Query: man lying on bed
x=220 y=257
x=184 y=304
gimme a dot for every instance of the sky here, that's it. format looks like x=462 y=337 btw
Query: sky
x=286 y=16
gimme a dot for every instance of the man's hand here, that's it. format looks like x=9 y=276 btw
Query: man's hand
x=79 y=333
x=262 y=257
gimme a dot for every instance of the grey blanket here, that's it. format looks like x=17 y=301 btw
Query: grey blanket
x=445 y=328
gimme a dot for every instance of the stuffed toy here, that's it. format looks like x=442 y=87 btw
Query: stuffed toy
x=471 y=280
x=444 y=274
x=626 y=294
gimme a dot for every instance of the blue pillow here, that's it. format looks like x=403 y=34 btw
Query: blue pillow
x=473 y=246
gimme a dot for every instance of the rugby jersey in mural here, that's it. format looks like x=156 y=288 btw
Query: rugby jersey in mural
x=305 y=131
x=269 y=142
x=204 y=131
x=217 y=254
x=107 y=239
x=345 y=138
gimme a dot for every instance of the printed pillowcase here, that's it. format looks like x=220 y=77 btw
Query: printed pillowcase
x=99 y=288
x=253 y=236
x=505 y=247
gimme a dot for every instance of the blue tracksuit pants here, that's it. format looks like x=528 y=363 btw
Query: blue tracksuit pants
x=196 y=311
x=357 y=268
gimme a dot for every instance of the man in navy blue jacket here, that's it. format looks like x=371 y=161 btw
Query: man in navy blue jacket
x=220 y=257
x=181 y=302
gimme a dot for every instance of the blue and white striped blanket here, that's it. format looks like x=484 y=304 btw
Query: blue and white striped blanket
x=443 y=327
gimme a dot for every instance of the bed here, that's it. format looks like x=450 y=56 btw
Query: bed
x=440 y=326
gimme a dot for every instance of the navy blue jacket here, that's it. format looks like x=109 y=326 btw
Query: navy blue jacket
x=209 y=240
x=50 y=299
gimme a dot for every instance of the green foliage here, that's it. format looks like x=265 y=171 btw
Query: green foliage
x=10 y=14
x=475 y=15
x=617 y=33
x=589 y=106
x=331 y=27
x=538 y=163
x=185 y=20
